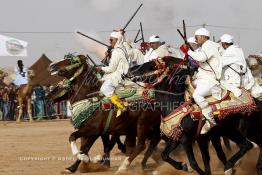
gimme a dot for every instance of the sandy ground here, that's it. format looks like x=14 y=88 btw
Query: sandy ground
x=42 y=148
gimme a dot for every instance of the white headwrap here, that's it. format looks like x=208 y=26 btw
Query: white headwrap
x=202 y=32
x=115 y=35
x=154 y=38
x=119 y=37
x=226 y=38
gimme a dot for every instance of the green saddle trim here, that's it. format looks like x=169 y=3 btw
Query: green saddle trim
x=138 y=95
x=108 y=121
x=125 y=93
x=83 y=111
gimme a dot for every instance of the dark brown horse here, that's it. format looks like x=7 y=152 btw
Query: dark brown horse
x=132 y=123
x=251 y=127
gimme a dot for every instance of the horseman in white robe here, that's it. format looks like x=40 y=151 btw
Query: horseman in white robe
x=157 y=49
x=118 y=66
x=20 y=74
x=236 y=73
x=208 y=75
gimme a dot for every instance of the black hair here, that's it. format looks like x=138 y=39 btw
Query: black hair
x=20 y=65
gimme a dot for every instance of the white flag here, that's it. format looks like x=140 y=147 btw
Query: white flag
x=12 y=47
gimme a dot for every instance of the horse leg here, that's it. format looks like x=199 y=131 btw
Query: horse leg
x=29 y=109
x=130 y=143
x=187 y=144
x=203 y=145
x=86 y=144
x=227 y=143
x=171 y=146
x=243 y=144
x=219 y=150
x=109 y=145
x=259 y=162
x=115 y=138
x=153 y=143
x=107 y=148
x=121 y=146
x=20 y=109
x=141 y=138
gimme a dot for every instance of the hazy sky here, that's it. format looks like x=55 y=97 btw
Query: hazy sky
x=241 y=18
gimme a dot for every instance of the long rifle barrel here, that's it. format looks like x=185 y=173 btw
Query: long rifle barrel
x=185 y=39
x=132 y=17
x=91 y=59
x=92 y=39
x=142 y=32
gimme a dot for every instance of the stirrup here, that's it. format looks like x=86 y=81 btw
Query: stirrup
x=207 y=127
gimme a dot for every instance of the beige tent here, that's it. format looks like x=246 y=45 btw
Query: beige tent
x=42 y=75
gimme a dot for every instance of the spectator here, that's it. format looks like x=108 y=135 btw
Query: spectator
x=39 y=102
x=48 y=104
x=5 y=100
x=12 y=102
x=1 y=103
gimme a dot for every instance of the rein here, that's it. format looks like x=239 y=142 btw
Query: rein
x=85 y=78
x=173 y=73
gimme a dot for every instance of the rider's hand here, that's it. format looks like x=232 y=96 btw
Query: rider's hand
x=184 y=48
x=106 y=54
x=122 y=31
x=98 y=68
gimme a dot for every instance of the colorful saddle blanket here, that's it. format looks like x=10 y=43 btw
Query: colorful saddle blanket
x=229 y=104
x=83 y=110
x=135 y=93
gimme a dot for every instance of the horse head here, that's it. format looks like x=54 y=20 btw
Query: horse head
x=80 y=78
x=66 y=67
x=58 y=94
x=150 y=71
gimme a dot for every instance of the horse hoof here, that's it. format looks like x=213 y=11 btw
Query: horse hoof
x=18 y=121
x=120 y=171
x=143 y=166
x=229 y=171
x=31 y=121
x=187 y=168
x=155 y=173
x=66 y=171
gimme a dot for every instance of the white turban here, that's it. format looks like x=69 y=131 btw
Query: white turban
x=116 y=35
x=119 y=37
x=202 y=32
x=192 y=40
x=226 y=38
x=154 y=38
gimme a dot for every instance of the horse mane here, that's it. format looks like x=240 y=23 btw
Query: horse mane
x=150 y=66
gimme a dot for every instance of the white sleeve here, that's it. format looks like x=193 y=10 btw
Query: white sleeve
x=16 y=70
x=113 y=63
x=200 y=56
x=228 y=59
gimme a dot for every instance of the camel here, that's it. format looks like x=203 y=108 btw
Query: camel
x=24 y=93
x=3 y=75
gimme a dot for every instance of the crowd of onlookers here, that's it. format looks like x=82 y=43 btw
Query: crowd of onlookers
x=42 y=107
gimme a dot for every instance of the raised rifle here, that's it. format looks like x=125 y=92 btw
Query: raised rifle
x=93 y=39
x=132 y=17
x=184 y=36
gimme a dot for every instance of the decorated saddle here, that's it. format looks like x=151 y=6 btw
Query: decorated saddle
x=83 y=110
x=132 y=93
x=229 y=104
